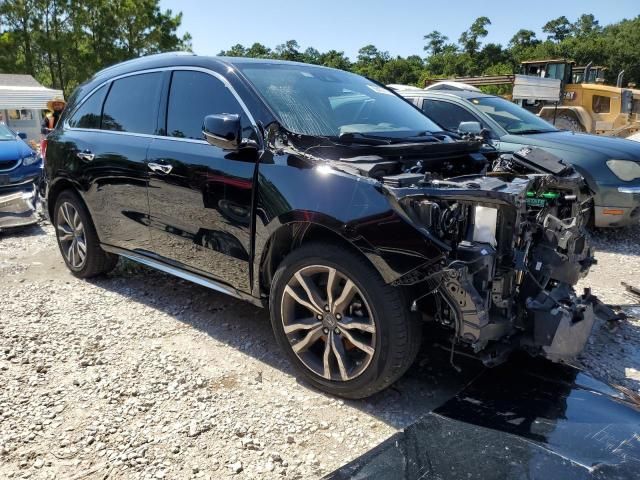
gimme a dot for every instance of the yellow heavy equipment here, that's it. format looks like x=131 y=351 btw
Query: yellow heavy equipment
x=585 y=103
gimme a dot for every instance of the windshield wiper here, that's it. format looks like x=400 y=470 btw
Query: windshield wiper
x=363 y=139
x=531 y=131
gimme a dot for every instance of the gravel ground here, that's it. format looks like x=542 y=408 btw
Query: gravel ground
x=141 y=375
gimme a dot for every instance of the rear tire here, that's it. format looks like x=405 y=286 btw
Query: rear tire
x=77 y=238
x=363 y=334
x=567 y=122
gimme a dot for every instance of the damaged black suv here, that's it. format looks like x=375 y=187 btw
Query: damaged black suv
x=329 y=199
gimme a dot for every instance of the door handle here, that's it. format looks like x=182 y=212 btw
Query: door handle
x=156 y=167
x=86 y=155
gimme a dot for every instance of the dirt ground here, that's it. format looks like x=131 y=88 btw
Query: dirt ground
x=141 y=375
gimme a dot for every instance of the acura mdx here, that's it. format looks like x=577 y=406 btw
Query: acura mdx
x=329 y=199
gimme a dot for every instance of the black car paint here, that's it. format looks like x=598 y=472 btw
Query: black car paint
x=210 y=194
x=226 y=218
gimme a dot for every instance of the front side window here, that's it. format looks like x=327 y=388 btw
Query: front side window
x=324 y=102
x=89 y=113
x=132 y=104
x=193 y=96
x=447 y=114
x=601 y=104
x=513 y=118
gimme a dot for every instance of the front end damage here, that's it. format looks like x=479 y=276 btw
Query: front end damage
x=514 y=244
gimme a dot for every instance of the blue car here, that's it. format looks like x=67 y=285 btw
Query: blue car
x=20 y=174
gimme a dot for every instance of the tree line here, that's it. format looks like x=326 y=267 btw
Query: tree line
x=63 y=42
x=584 y=40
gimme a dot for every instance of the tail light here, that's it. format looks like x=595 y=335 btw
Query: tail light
x=43 y=149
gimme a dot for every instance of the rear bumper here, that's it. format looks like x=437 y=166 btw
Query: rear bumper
x=18 y=206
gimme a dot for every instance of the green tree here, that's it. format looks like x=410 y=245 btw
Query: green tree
x=335 y=59
x=585 y=25
x=236 y=50
x=523 y=39
x=63 y=42
x=558 y=29
x=435 y=42
x=311 y=55
x=258 y=50
x=370 y=62
x=289 y=50
x=470 y=39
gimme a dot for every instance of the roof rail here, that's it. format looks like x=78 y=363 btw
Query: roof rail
x=154 y=55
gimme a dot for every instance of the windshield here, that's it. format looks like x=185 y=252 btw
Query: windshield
x=6 y=133
x=511 y=117
x=325 y=102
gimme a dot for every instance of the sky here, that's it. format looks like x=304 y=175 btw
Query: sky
x=397 y=26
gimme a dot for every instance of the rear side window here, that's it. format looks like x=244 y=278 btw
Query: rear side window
x=88 y=115
x=193 y=96
x=447 y=115
x=132 y=104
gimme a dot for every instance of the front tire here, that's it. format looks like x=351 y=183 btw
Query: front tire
x=78 y=240
x=346 y=331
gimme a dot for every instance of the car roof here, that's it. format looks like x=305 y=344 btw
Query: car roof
x=170 y=59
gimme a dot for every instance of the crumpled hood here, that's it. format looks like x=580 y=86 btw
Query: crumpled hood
x=611 y=147
x=13 y=150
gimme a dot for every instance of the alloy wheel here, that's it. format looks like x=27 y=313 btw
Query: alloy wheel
x=328 y=323
x=71 y=235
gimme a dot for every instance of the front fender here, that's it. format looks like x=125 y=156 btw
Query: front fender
x=354 y=208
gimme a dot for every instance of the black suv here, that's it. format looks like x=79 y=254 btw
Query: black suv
x=327 y=198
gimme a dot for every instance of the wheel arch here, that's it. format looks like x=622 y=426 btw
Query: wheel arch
x=61 y=185
x=56 y=188
x=580 y=114
x=291 y=236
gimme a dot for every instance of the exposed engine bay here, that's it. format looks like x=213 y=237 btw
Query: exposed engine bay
x=513 y=237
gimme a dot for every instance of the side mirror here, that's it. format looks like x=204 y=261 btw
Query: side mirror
x=223 y=130
x=22 y=135
x=470 y=128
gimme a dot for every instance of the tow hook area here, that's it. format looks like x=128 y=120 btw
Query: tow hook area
x=562 y=321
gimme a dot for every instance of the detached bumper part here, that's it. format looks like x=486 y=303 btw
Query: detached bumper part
x=18 y=208
x=562 y=322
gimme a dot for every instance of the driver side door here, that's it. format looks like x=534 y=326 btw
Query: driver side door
x=200 y=196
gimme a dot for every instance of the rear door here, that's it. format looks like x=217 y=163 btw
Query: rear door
x=106 y=143
x=200 y=196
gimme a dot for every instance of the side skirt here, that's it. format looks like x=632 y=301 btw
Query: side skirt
x=184 y=274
